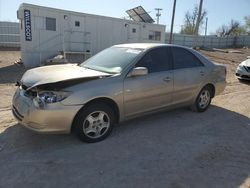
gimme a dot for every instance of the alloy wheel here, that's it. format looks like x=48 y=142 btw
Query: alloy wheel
x=96 y=124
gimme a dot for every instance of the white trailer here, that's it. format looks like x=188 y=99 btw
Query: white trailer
x=44 y=32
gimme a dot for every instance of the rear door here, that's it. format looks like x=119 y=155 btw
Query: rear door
x=151 y=91
x=189 y=73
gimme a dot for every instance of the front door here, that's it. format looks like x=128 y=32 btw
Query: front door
x=151 y=91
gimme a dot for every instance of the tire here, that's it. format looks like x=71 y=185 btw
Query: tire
x=94 y=123
x=203 y=100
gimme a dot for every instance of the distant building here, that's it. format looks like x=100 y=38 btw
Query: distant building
x=44 y=32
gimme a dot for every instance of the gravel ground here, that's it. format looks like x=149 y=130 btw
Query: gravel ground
x=177 y=148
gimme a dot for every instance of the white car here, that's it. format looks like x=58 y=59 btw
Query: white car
x=243 y=70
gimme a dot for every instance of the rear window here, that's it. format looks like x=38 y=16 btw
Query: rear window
x=184 y=59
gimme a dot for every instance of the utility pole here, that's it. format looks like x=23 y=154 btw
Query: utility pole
x=206 y=27
x=0 y=9
x=158 y=14
x=172 y=23
x=196 y=31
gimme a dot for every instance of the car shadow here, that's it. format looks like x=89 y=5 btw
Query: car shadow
x=247 y=82
x=11 y=73
x=177 y=148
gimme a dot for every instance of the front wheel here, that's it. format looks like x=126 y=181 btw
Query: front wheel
x=203 y=100
x=94 y=123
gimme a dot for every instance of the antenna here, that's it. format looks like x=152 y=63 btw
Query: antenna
x=158 y=14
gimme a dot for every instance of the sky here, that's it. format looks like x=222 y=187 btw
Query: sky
x=219 y=11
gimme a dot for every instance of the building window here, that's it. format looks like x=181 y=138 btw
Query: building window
x=77 y=23
x=133 y=30
x=154 y=35
x=65 y=17
x=50 y=24
x=21 y=21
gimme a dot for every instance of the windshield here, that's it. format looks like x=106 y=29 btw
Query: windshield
x=112 y=60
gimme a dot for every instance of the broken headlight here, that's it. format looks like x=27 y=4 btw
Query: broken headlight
x=45 y=97
x=241 y=67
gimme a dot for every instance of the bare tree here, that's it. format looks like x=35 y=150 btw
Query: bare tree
x=190 y=20
x=247 y=23
x=233 y=29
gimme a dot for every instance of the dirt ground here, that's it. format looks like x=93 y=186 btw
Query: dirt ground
x=177 y=148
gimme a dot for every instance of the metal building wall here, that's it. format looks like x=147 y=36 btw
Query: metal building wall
x=9 y=34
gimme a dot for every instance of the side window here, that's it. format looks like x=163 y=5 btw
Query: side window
x=50 y=24
x=184 y=59
x=156 y=60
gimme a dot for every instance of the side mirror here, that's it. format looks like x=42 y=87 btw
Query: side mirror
x=138 y=71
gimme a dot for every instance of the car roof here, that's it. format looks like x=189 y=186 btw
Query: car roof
x=139 y=45
x=144 y=45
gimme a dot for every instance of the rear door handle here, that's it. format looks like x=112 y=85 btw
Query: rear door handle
x=167 y=79
x=202 y=73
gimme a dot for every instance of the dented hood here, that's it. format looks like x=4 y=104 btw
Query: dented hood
x=58 y=73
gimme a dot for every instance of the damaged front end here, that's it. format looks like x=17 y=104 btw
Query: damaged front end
x=38 y=107
x=37 y=101
x=47 y=93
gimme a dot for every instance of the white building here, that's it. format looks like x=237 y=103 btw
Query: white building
x=44 y=32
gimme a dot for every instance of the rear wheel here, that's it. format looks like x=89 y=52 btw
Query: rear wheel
x=203 y=100
x=94 y=123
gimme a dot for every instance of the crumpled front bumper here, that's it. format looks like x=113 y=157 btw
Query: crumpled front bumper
x=52 y=118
